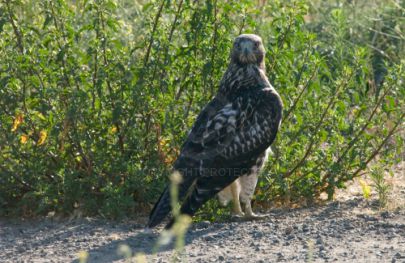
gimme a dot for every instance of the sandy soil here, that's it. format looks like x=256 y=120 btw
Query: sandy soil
x=350 y=229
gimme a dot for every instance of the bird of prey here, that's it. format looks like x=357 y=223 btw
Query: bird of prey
x=231 y=135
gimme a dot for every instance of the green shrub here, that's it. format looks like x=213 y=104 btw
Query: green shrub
x=96 y=97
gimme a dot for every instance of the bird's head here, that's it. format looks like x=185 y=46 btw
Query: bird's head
x=248 y=49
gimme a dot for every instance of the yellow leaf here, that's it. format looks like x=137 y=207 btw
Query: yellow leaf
x=140 y=257
x=40 y=115
x=365 y=188
x=17 y=121
x=113 y=129
x=163 y=142
x=83 y=255
x=42 y=137
x=24 y=139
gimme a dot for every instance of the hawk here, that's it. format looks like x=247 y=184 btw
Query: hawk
x=231 y=135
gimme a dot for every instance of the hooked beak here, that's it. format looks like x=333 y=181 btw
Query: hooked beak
x=247 y=56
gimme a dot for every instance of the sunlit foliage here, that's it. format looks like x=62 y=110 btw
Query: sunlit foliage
x=96 y=97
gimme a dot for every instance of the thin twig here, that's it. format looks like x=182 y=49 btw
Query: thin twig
x=373 y=155
x=110 y=89
x=350 y=144
x=152 y=35
x=319 y=124
x=287 y=115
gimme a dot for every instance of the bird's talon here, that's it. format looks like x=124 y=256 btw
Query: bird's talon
x=256 y=217
x=238 y=215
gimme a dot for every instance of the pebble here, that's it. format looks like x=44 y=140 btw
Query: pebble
x=288 y=230
x=289 y=237
x=281 y=240
x=321 y=248
x=348 y=226
x=269 y=224
x=257 y=234
x=209 y=238
x=204 y=224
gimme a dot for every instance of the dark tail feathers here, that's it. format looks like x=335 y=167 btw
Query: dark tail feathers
x=161 y=209
x=163 y=206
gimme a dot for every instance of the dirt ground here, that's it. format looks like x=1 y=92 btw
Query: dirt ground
x=349 y=229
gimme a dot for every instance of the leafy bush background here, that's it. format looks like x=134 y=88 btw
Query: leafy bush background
x=96 y=97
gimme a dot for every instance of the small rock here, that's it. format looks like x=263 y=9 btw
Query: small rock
x=348 y=226
x=209 y=238
x=288 y=230
x=269 y=224
x=321 y=248
x=323 y=255
x=257 y=234
x=371 y=218
x=204 y=224
x=42 y=252
x=221 y=258
x=289 y=237
x=386 y=214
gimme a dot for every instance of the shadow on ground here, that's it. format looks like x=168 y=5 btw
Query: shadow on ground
x=143 y=242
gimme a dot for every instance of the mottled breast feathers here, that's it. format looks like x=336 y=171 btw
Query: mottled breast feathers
x=236 y=123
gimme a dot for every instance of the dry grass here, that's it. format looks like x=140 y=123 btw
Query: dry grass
x=396 y=193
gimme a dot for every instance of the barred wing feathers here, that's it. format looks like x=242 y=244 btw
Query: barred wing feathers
x=227 y=137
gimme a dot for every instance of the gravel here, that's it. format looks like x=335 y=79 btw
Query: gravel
x=351 y=229
x=344 y=232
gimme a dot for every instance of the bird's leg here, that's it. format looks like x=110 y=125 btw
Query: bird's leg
x=248 y=184
x=236 y=209
x=249 y=213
